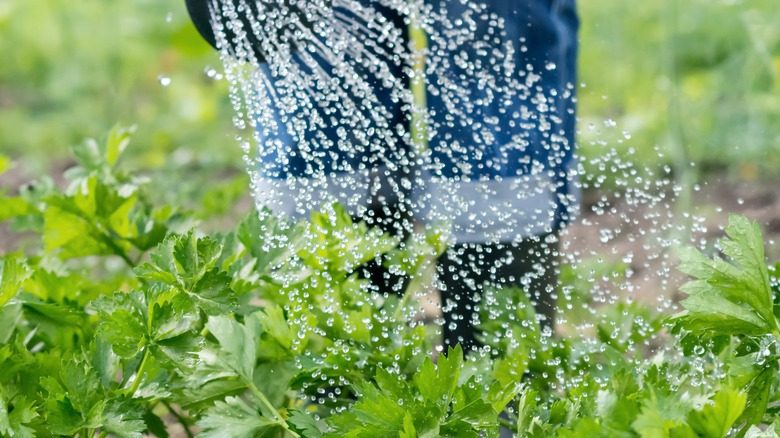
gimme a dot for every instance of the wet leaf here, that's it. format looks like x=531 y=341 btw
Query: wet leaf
x=234 y=418
x=716 y=419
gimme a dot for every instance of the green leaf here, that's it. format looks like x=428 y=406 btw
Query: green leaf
x=181 y=259
x=273 y=379
x=716 y=419
x=306 y=425
x=651 y=424
x=5 y=164
x=660 y=414
x=472 y=409
x=393 y=385
x=409 y=430
x=123 y=420
x=583 y=427
x=237 y=344
x=338 y=245
x=117 y=142
x=13 y=274
x=213 y=294
x=88 y=155
x=188 y=263
x=438 y=384
x=155 y=425
x=12 y=206
x=773 y=431
x=104 y=361
x=759 y=395
x=270 y=240
x=375 y=414
x=411 y=258
x=479 y=415
x=708 y=310
x=511 y=368
x=278 y=341
x=746 y=248
x=618 y=405
x=71 y=232
x=124 y=322
x=195 y=256
x=93 y=220
x=168 y=321
x=179 y=352
x=10 y=319
x=16 y=416
x=500 y=395
x=76 y=400
x=726 y=298
x=233 y=418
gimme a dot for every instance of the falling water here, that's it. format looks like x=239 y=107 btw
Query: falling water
x=326 y=113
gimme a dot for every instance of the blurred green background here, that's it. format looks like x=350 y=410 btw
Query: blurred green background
x=71 y=70
x=689 y=81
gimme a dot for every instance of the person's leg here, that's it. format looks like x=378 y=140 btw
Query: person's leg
x=466 y=268
x=390 y=211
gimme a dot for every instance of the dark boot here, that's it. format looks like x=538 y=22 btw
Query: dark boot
x=465 y=269
x=389 y=210
x=395 y=221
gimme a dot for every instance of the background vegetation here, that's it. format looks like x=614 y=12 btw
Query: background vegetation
x=696 y=80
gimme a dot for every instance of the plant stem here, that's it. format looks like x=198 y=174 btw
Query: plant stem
x=140 y=373
x=685 y=174
x=179 y=418
x=402 y=305
x=417 y=85
x=105 y=235
x=410 y=288
x=264 y=400
x=103 y=434
x=506 y=423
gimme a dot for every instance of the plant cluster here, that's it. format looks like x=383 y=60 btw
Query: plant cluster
x=123 y=319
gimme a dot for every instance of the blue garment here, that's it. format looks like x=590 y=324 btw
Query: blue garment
x=490 y=138
x=534 y=130
x=282 y=156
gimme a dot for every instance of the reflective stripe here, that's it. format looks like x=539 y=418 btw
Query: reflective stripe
x=502 y=210
x=296 y=197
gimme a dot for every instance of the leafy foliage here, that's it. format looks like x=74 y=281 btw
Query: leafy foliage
x=137 y=319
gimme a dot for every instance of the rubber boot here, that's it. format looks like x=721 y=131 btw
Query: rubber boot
x=396 y=222
x=465 y=269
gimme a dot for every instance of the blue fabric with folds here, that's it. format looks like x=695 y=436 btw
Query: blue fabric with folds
x=497 y=143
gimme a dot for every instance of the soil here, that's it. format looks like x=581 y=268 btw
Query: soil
x=646 y=236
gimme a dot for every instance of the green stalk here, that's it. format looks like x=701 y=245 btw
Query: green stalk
x=267 y=403
x=506 y=423
x=120 y=252
x=684 y=173
x=106 y=235
x=179 y=418
x=419 y=130
x=417 y=85
x=140 y=373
